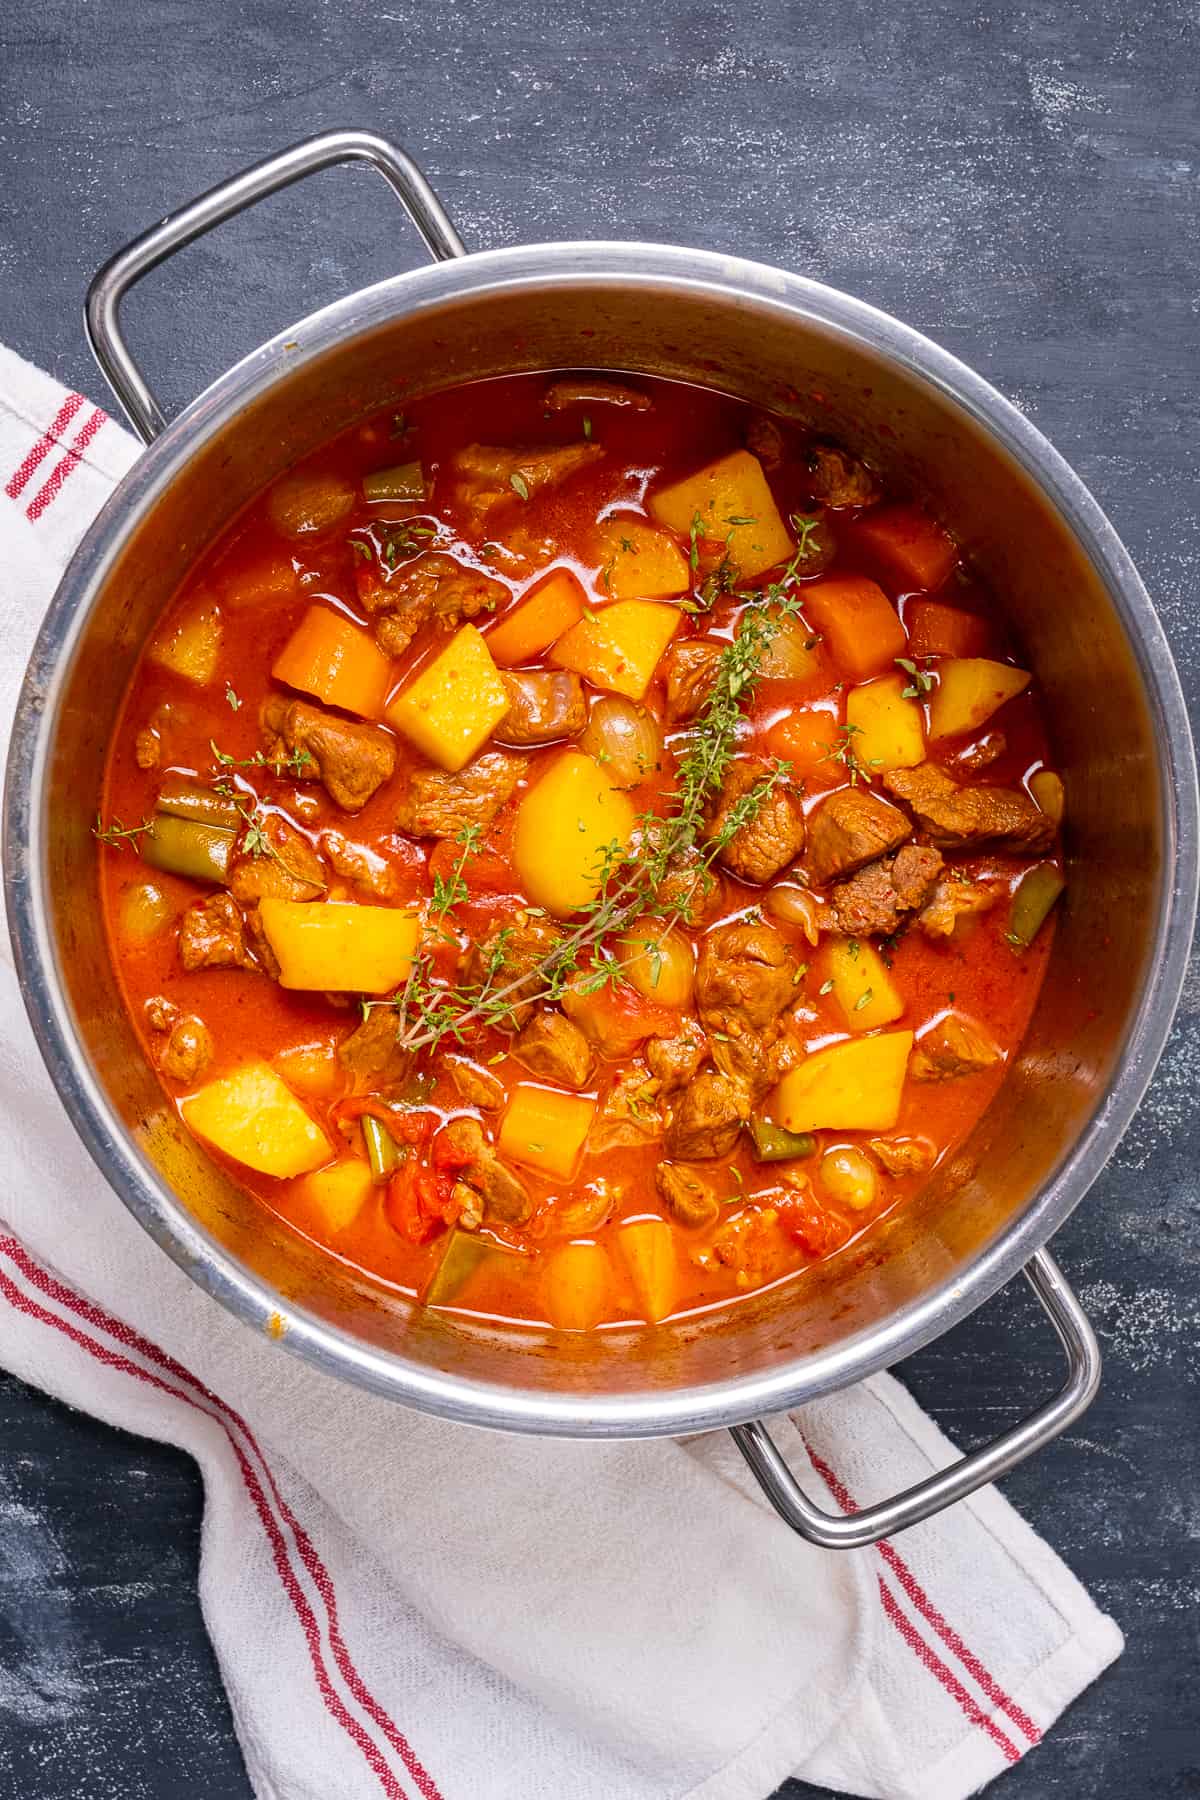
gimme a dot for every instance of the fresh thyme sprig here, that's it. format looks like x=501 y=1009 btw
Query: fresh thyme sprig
x=256 y=843
x=846 y=754
x=297 y=761
x=116 y=834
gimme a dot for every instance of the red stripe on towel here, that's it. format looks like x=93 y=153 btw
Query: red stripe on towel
x=45 y=444
x=322 y=1580
x=66 y=464
x=928 y=1611
x=57 y=1290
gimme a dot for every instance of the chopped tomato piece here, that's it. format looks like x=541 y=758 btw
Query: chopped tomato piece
x=482 y=871
x=416 y=1203
x=815 y=1230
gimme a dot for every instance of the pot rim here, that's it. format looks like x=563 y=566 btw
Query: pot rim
x=661 y=268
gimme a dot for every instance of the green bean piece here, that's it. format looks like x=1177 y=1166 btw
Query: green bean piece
x=186 y=847
x=383 y=1152
x=464 y=1254
x=405 y=481
x=1037 y=891
x=185 y=799
x=773 y=1144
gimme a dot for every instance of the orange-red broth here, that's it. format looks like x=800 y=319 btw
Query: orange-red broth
x=249 y=1015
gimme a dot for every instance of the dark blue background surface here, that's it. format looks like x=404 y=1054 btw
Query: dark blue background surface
x=1021 y=183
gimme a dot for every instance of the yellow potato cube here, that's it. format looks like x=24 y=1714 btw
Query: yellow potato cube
x=731 y=502
x=888 y=730
x=191 y=646
x=855 y=1086
x=252 y=1117
x=576 y=1284
x=454 y=704
x=545 y=1129
x=339 y=1192
x=337 y=947
x=969 y=690
x=564 y=828
x=639 y=563
x=862 y=987
x=618 y=647
x=646 y=1245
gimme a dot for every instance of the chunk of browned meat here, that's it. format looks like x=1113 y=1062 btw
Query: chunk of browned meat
x=432 y=589
x=707 y=1118
x=689 y=670
x=437 y=804
x=513 y=951
x=757 y=1059
x=586 y=390
x=546 y=705
x=551 y=1046
x=372 y=1055
x=954 y=898
x=188 y=1050
x=691 y=888
x=259 y=943
x=361 y=866
x=674 y=1061
x=872 y=903
x=686 y=1195
x=477 y=1086
x=765 y=440
x=954 y=1046
x=959 y=818
x=488 y=474
x=160 y=1012
x=851 y=828
x=903 y=1155
x=352 y=759
x=274 y=860
x=211 y=935
x=774 y=830
x=982 y=753
x=629 y=1113
x=744 y=978
x=838 y=478
x=504 y=1194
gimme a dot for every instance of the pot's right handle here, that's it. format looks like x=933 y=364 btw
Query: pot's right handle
x=222 y=202
x=851 y=1531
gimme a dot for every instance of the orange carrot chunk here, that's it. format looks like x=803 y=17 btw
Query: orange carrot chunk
x=861 y=624
x=337 y=662
x=938 y=630
x=537 y=621
x=911 y=547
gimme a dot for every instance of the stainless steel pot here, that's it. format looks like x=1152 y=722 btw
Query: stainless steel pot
x=1121 y=739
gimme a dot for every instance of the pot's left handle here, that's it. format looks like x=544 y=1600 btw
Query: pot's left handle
x=851 y=1531
x=223 y=202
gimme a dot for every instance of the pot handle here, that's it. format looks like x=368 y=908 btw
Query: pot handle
x=223 y=202
x=851 y=1531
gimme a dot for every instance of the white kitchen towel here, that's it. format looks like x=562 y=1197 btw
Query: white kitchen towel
x=403 y=1605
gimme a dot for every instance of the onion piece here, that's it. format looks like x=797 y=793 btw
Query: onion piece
x=792 y=654
x=302 y=504
x=848 y=1176
x=624 y=739
x=659 y=961
x=144 y=910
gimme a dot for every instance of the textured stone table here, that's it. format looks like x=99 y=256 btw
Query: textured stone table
x=1021 y=183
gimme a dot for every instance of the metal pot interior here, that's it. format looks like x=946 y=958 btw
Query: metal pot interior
x=1002 y=1193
